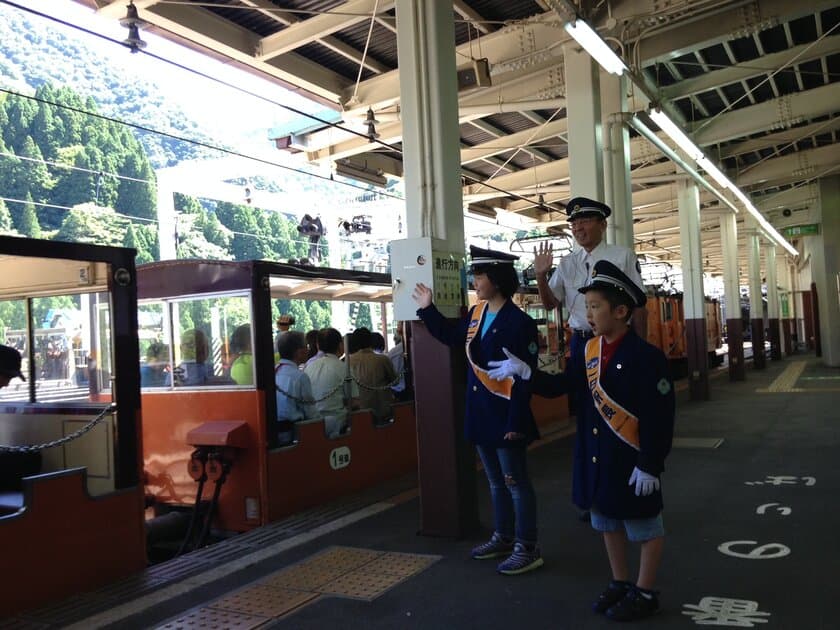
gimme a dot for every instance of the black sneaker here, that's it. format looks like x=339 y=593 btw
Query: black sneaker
x=635 y=605
x=613 y=594
x=496 y=546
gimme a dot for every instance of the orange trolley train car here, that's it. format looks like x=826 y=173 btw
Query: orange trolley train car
x=205 y=417
x=71 y=507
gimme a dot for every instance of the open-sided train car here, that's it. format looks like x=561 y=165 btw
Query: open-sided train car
x=71 y=509
x=216 y=419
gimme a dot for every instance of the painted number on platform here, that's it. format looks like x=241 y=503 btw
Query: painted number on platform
x=340 y=457
x=722 y=611
x=768 y=551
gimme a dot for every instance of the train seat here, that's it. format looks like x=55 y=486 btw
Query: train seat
x=10 y=502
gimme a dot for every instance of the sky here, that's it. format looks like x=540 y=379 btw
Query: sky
x=206 y=101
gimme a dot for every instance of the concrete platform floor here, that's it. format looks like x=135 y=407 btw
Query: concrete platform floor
x=751 y=536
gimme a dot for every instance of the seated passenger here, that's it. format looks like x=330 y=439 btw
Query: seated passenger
x=155 y=371
x=192 y=370
x=374 y=374
x=294 y=391
x=312 y=351
x=327 y=376
x=397 y=357
x=242 y=368
x=14 y=466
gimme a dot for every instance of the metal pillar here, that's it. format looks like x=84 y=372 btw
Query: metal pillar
x=434 y=208
x=825 y=270
x=694 y=307
x=772 y=302
x=732 y=296
x=617 y=185
x=756 y=304
x=583 y=112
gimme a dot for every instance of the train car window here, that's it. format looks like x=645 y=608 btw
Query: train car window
x=211 y=342
x=14 y=333
x=155 y=347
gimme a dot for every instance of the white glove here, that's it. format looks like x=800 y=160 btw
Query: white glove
x=645 y=483
x=512 y=366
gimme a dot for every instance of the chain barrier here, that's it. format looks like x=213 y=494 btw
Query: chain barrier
x=34 y=448
x=306 y=401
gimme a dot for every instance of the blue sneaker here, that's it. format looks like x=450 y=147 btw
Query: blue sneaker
x=521 y=560
x=496 y=546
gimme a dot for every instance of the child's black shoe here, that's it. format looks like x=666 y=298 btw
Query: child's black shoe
x=637 y=604
x=613 y=594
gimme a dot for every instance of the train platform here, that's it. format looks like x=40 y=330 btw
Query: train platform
x=749 y=489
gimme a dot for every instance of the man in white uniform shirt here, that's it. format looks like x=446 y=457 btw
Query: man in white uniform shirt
x=327 y=376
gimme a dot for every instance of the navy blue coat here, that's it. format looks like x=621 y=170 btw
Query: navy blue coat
x=488 y=416
x=637 y=378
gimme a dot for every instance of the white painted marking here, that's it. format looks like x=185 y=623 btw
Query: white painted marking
x=768 y=551
x=721 y=611
x=783 y=510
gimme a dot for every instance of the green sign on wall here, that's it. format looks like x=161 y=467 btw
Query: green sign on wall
x=802 y=230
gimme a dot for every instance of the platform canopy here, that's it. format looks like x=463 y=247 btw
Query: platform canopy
x=755 y=84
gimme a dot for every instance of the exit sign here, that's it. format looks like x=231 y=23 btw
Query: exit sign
x=802 y=230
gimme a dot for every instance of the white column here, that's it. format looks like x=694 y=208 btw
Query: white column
x=825 y=266
x=429 y=111
x=732 y=295
x=583 y=112
x=772 y=301
x=691 y=254
x=756 y=306
x=617 y=184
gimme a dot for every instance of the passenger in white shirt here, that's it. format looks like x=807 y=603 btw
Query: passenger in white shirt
x=294 y=391
x=327 y=375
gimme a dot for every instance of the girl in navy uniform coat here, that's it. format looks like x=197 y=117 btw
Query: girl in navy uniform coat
x=624 y=431
x=498 y=412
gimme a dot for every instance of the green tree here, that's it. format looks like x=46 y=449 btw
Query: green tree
x=87 y=223
x=137 y=241
x=6 y=226
x=29 y=225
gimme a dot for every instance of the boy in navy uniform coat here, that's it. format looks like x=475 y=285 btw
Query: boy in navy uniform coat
x=498 y=412
x=624 y=432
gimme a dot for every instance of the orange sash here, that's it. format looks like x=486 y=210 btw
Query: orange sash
x=501 y=388
x=623 y=423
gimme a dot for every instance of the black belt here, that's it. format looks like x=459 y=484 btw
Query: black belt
x=582 y=333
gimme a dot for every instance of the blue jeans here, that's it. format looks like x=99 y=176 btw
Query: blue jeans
x=514 y=502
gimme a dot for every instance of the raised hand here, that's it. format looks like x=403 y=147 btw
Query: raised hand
x=422 y=295
x=543 y=258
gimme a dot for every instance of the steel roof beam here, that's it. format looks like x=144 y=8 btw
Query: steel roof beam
x=474 y=17
x=782 y=112
x=314 y=28
x=781 y=138
x=226 y=38
x=735 y=20
x=792 y=167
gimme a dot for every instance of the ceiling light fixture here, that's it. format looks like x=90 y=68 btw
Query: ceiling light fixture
x=664 y=122
x=597 y=48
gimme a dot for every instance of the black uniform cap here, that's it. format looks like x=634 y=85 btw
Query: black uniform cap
x=606 y=275
x=10 y=362
x=481 y=257
x=584 y=207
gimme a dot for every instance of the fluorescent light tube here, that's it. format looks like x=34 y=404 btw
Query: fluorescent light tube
x=714 y=172
x=597 y=48
x=676 y=134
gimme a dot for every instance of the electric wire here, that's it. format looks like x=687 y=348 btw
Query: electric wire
x=248 y=92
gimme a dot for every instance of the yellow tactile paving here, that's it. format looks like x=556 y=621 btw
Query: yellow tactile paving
x=361 y=584
x=405 y=564
x=338 y=571
x=211 y=618
x=264 y=601
x=786 y=381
